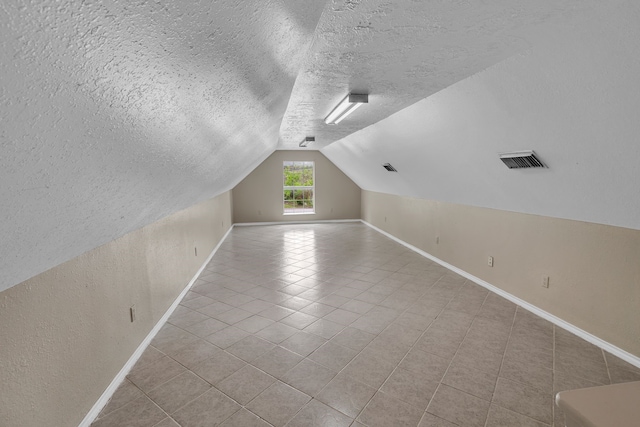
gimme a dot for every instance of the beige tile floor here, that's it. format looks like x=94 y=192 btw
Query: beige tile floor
x=337 y=325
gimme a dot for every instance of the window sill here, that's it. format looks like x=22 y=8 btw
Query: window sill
x=298 y=213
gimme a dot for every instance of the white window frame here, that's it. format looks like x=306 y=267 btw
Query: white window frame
x=302 y=211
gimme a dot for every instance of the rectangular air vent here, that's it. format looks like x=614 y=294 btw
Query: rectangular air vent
x=521 y=159
x=390 y=168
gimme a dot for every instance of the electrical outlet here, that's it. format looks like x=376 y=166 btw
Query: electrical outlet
x=437 y=240
x=132 y=313
x=490 y=261
x=545 y=281
x=259 y=212
x=195 y=251
x=385 y=219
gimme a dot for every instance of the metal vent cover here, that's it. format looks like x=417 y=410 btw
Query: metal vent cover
x=390 y=168
x=521 y=159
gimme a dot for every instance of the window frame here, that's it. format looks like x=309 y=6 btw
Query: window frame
x=312 y=188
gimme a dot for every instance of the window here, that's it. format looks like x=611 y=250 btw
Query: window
x=298 y=188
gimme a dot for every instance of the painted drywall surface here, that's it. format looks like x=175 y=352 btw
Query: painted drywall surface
x=593 y=268
x=116 y=114
x=259 y=198
x=66 y=333
x=573 y=99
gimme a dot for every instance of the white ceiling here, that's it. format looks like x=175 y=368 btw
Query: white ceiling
x=117 y=113
x=402 y=51
x=574 y=99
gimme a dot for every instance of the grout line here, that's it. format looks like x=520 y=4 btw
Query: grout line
x=598 y=342
x=606 y=363
x=411 y=347
x=158 y=406
x=394 y=369
x=504 y=355
x=459 y=291
x=91 y=416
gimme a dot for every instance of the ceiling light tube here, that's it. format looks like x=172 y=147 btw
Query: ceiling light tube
x=306 y=141
x=347 y=106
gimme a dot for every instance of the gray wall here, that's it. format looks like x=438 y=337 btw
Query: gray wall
x=66 y=333
x=593 y=268
x=258 y=197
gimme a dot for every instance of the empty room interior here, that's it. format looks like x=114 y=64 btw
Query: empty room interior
x=372 y=213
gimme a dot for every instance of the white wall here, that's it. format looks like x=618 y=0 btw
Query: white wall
x=573 y=98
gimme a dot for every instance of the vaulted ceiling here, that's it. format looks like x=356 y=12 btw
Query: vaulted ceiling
x=402 y=51
x=117 y=113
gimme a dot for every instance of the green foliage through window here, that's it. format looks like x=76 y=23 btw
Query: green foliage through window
x=298 y=174
x=298 y=187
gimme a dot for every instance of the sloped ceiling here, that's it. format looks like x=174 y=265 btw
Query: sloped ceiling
x=400 y=52
x=573 y=98
x=117 y=113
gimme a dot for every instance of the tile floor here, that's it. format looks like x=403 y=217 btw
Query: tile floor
x=337 y=325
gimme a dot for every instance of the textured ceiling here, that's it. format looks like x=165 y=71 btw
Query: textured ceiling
x=117 y=113
x=402 y=51
x=573 y=98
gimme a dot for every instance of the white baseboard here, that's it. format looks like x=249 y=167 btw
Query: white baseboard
x=616 y=351
x=250 y=224
x=104 y=399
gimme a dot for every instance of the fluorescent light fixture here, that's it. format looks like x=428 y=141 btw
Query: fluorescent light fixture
x=347 y=106
x=307 y=140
